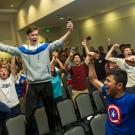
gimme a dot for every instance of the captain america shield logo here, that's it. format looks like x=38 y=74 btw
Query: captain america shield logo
x=114 y=114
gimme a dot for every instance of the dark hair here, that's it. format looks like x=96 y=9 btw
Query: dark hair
x=54 y=73
x=96 y=51
x=124 y=47
x=120 y=75
x=121 y=46
x=76 y=55
x=31 y=29
x=101 y=48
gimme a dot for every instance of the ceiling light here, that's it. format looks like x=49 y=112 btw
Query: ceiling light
x=103 y=11
x=62 y=18
x=11 y=5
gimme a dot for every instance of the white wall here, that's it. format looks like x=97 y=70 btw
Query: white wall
x=33 y=10
x=7 y=31
x=119 y=25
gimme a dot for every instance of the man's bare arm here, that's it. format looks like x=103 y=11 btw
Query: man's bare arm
x=109 y=54
x=92 y=73
x=84 y=44
x=68 y=59
x=70 y=29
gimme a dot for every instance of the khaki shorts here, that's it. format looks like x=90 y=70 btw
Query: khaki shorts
x=76 y=93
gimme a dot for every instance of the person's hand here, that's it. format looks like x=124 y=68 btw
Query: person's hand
x=108 y=41
x=116 y=46
x=55 y=54
x=71 y=54
x=91 y=56
x=70 y=26
x=84 y=42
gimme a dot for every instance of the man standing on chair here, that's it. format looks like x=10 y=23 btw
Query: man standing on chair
x=36 y=61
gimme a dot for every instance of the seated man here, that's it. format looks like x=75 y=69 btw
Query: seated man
x=121 y=105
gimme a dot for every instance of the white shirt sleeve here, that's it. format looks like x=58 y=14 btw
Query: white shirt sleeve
x=120 y=62
x=12 y=78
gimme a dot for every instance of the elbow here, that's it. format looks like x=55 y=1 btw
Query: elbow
x=61 y=41
x=91 y=79
x=63 y=68
x=106 y=57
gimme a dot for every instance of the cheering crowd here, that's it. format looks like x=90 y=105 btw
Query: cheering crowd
x=37 y=72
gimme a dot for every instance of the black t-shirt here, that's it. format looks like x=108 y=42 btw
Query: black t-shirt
x=100 y=68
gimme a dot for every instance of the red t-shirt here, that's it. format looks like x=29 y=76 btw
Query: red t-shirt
x=79 y=75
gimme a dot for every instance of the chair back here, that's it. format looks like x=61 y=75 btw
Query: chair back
x=76 y=130
x=98 y=101
x=97 y=124
x=84 y=105
x=66 y=112
x=16 y=125
x=41 y=121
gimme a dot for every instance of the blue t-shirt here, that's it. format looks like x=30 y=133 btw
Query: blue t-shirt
x=57 y=88
x=121 y=114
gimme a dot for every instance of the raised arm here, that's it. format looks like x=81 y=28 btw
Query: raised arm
x=55 y=59
x=9 y=49
x=68 y=59
x=84 y=44
x=70 y=29
x=58 y=43
x=86 y=61
x=13 y=67
x=109 y=54
x=92 y=74
x=60 y=63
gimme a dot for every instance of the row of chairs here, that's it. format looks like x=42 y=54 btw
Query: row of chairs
x=97 y=126
x=87 y=115
x=16 y=125
x=70 y=124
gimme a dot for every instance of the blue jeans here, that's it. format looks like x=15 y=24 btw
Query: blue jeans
x=14 y=111
x=4 y=114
